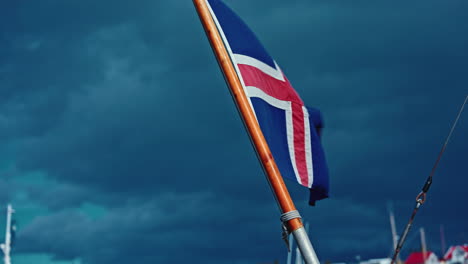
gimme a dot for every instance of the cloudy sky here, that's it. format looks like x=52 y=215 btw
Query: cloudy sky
x=119 y=141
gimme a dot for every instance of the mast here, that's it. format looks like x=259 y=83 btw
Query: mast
x=6 y=247
x=290 y=249
x=394 y=232
x=423 y=243
x=392 y=226
x=307 y=231
x=442 y=240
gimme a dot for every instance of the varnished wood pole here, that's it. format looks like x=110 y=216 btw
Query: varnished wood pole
x=266 y=158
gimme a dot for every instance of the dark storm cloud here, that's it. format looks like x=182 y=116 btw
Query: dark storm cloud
x=58 y=196
x=380 y=74
x=123 y=105
x=178 y=225
x=6 y=190
x=135 y=123
x=47 y=53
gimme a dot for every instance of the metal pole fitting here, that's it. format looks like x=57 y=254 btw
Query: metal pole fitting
x=304 y=245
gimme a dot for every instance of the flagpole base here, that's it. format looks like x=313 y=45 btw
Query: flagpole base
x=304 y=245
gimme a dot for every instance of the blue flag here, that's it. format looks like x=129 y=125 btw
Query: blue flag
x=291 y=129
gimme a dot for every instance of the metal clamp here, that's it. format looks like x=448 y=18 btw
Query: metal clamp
x=420 y=199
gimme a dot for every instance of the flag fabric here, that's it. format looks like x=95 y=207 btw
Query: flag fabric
x=291 y=129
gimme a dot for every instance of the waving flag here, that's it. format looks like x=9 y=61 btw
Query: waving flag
x=290 y=128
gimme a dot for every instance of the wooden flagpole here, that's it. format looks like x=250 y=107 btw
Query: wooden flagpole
x=274 y=177
x=273 y=174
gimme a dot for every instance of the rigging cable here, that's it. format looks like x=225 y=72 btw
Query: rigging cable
x=421 y=198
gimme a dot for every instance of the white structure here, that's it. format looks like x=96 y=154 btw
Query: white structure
x=432 y=259
x=377 y=261
x=457 y=255
x=6 y=247
x=288 y=261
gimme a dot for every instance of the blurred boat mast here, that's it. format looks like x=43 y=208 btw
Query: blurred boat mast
x=6 y=247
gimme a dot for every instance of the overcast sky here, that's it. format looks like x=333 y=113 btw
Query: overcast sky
x=119 y=141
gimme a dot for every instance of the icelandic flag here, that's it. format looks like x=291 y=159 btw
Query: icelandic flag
x=291 y=129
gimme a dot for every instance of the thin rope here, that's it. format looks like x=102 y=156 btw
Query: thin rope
x=289 y=216
x=284 y=219
x=421 y=198
x=448 y=137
